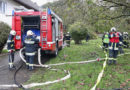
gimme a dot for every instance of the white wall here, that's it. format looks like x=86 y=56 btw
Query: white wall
x=10 y=4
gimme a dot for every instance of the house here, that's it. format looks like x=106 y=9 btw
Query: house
x=7 y=6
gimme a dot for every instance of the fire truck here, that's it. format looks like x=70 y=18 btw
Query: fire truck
x=46 y=25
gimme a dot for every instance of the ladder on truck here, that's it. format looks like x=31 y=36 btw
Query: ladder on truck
x=44 y=29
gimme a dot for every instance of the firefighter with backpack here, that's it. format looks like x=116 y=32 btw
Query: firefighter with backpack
x=11 y=49
x=105 y=40
x=113 y=46
x=30 y=49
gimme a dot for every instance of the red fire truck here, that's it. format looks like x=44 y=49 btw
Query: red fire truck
x=46 y=25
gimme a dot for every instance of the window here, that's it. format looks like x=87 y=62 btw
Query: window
x=2 y=7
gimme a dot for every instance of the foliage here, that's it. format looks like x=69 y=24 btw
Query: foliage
x=97 y=16
x=4 y=31
x=4 y=51
x=78 y=32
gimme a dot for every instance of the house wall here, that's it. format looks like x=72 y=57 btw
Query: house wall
x=7 y=16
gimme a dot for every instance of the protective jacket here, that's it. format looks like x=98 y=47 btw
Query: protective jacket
x=67 y=37
x=10 y=42
x=114 y=37
x=106 y=38
x=30 y=46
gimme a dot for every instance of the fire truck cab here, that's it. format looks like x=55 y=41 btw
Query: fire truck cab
x=46 y=25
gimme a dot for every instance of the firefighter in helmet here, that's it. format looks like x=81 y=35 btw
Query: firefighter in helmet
x=105 y=40
x=125 y=39
x=30 y=49
x=113 y=45
x=68 y=37
x=11 y=48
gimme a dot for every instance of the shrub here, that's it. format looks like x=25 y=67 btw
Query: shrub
x=4 y=31
x=78 y=32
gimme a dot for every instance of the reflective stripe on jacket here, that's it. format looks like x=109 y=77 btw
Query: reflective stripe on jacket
x=30 y=54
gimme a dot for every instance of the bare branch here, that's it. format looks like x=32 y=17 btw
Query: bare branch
x=117 y=3
x=120 y=16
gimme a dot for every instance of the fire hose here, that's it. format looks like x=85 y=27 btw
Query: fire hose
x=46 y=66
x=102 y=71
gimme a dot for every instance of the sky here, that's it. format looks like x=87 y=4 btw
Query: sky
x=41 y=2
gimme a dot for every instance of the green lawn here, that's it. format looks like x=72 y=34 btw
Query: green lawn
x=83 y=76
x=4 y=51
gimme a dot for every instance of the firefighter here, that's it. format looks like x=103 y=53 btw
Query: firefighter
x=105 y=40
x=121 y=51
x=30 y=49
x=11 y=49
x=87 y=37
x=125 y=39
x=64 y=38
x=113 y=46
x=68 y=37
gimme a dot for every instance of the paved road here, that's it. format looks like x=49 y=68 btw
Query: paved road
x=6 y=76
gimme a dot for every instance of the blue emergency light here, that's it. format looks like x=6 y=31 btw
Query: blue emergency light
x=49 y=11
x=12 y=12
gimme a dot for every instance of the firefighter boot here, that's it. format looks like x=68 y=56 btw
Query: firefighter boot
x=109 y=62
x=114 y=62
x=31 y=68
x=27 y=66
x=12 y=67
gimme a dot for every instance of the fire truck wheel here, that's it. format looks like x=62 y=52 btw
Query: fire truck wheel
x=60 y=48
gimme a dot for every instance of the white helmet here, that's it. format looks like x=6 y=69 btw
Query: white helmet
x=29 y=32
x=113 y=29
x=12 y=32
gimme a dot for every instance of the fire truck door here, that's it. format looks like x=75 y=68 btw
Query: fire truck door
x=56 y=27
x=17 y=25
x=53 y=31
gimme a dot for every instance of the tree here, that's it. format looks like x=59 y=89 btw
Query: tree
x=97 y=16
x=4 y=31
x=78 y=32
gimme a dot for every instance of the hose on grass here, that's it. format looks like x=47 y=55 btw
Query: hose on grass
x=102 y=71
x=49 y=67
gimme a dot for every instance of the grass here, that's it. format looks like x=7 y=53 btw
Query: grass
x=4 y=51
x=83 y=76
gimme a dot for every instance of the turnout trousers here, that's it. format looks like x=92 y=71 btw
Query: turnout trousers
x=11 y=59
x=29 y=62
x=113 y=52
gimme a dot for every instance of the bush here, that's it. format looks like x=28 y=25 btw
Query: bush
x=78 y=32
x=4 y=31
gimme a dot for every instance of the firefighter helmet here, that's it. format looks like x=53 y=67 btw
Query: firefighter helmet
x=12 y=32
x=113 y=29
x=29 y=32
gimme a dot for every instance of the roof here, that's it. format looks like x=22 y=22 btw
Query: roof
x=28 y=4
